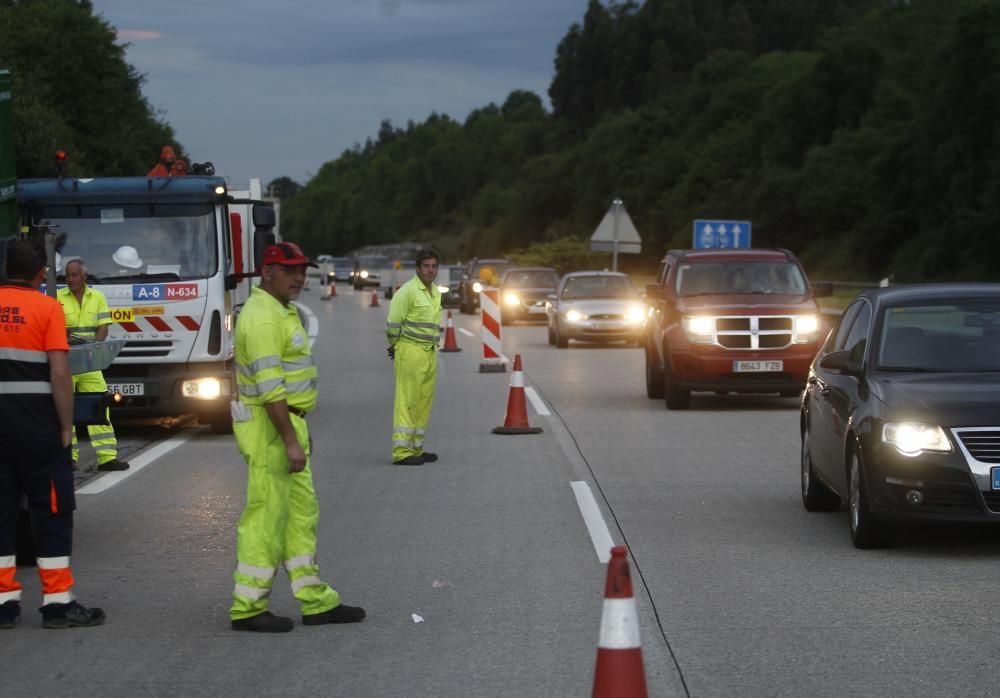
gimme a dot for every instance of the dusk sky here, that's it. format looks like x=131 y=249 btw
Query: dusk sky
x=264 y=89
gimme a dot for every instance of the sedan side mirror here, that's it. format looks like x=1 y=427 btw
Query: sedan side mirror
x=841 y=362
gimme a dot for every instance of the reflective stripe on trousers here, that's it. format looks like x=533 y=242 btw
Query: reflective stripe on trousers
x=278 y=525
x=102 y=436
x=416 y=375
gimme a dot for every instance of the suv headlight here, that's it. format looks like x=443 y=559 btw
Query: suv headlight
x=805 y=328
x=912 y=439
x=699 y=328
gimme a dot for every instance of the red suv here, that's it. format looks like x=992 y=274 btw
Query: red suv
x=729 y=320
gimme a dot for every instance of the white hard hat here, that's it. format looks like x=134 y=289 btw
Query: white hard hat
x=127 y=256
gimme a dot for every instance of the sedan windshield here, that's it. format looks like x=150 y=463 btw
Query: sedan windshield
x=598 y=287
x=531 y=278
x=135 y=242
x=947 y=337
x=740 y=277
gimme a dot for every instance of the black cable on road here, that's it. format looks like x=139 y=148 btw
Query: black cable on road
x=621 y=532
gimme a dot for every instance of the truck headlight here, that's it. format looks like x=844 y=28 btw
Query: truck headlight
x=477 y=287
x=699 y=328
x=205 y=388
x=510 y=298
x=912 y=439
x=575 y=316
x=805 y=328
x=363 y=274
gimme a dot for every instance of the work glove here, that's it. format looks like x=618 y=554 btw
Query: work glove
x=391 y=351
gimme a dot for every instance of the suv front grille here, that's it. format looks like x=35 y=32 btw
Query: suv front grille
x=754 y=332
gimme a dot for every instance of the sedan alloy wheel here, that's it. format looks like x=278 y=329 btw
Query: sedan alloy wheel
x=866 y=531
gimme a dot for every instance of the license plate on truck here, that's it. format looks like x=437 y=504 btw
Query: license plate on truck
x=127 y=389
x=758 y=366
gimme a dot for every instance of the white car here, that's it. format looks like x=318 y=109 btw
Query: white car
x=595 y=306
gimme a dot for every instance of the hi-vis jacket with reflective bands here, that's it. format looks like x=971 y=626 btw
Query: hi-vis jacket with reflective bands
x=273 y=361
x=415 y=314
x=84 y=319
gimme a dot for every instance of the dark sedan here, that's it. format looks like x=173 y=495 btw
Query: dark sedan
x=901 y=413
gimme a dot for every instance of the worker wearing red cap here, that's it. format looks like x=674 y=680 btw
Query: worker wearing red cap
x=276 y=381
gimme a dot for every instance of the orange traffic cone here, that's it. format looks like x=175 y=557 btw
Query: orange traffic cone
x=619 y=672
x=516 y=421
x=374 y=303
x=331 y=291
x=450 y=343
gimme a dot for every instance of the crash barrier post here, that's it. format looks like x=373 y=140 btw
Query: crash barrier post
x=619 y=672
x=450 y=343
x=489 y=302
x=516 y=421
x=374 y=303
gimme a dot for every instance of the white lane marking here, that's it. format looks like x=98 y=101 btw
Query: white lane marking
x=540 y=407
x=465 y=332
x=598 y=530
x=312 y=324
x=109 y=480
x=505 y=359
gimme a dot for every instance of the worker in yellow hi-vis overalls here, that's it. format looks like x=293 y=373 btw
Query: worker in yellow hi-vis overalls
x=413 y=331
x=87 y=316
x=276 y=382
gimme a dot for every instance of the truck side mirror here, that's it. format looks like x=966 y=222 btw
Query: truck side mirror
x=263 y=216
x=263 y=234
x=822 y=289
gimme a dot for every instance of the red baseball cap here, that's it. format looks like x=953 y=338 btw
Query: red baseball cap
x=286 y=253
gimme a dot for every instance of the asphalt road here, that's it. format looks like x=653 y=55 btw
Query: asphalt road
x=740 y=591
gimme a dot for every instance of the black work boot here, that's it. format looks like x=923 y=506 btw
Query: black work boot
x=265 y=622
x=409 y=460
x=10 y=614
x=70 y=615
x=429 y=457
x=337 y=614
x=112 y=465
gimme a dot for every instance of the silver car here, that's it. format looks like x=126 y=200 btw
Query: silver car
x=595 y=306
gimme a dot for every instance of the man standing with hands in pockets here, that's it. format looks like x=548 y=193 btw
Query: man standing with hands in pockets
x=276 y=381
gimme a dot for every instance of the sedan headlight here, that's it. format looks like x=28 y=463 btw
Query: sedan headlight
x=510 y=298
x=477 y=287
x=912 y=439
x=699 y=328
x=805 y=328
x=635 y=314
x=575 y=316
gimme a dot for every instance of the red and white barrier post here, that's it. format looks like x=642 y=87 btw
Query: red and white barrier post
x=489 y=302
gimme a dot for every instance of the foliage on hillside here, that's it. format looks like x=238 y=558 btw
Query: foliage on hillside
x=74 y=90
x=859 y=133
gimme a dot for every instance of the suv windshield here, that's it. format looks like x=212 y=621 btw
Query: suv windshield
x=945 y=337
x=134 y=242
x=598 y=287
x=488 y=271
x=740 y=277
x=531 y=278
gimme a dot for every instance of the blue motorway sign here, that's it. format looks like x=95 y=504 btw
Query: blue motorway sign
x=721 y=234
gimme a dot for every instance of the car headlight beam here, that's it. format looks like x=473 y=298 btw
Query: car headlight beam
x=635 y=314
x=477 y=287
x=575 y=316
x=806 y=327
x=699 y=328
x=913 y=438
x=511 y=298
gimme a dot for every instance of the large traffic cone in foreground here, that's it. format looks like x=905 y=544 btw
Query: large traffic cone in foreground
x=516 y=421
x=619 y=672
x=450 y=343
x=374 y=303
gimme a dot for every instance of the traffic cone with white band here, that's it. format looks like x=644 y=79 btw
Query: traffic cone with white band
x=331 y=290
x=516 y=421
x=374 y=303
x=619 y=672
x=450 y=343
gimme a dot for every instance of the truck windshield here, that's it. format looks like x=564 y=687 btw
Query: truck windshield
x=706 y=278
x=135 y=242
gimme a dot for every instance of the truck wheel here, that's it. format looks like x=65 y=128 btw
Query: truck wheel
x=220 y=423
x=654 y=377
x=676 y=398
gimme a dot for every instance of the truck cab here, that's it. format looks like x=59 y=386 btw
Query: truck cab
x=173 y=256
x=727 y=320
